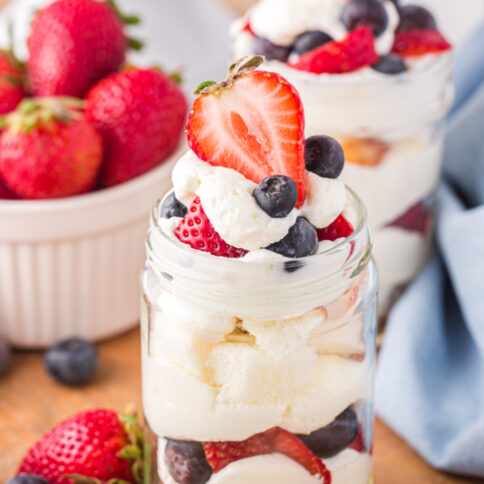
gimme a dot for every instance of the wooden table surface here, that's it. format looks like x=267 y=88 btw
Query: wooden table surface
x=31 y=403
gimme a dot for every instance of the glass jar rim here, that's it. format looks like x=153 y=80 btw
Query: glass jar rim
x=359 y=227
x=261 y=289
x=443 y=63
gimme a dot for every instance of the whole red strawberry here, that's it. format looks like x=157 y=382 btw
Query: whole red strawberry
x=5 y=193
x=49 y=150
x=96 y=443
x=140 y=113
x=73 y=44
x=197 y=231
x=11 y=83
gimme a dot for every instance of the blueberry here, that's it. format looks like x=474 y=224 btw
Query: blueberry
x=414 y=17
x=390 y=64
x=324 y=156
x=276 y=195
x=27 y=479
x=301 y=241
x=310 y=40
x=371 y=13
x=271 y=51
x=335 y=437
x=4 y=356
x=172 y=207
x=186 y=462
x=72 y=362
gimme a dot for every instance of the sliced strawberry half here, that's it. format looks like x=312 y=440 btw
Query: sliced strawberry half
x=220 y=454
x=338 y=229
x=290 y=445
x=252 y=123
x=355 y=51
x=197 y=231
x=419 y=42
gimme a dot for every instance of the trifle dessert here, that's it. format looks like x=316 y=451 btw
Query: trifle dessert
x=375 y=74
x=259 y=300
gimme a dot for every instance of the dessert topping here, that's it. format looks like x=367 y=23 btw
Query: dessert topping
x=196 y=230
x=301 y=241
x=355 y=51
x=324 y=156
x=276 y=195
x=338 y=229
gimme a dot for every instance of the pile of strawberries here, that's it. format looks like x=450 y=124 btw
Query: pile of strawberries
x=76 y=117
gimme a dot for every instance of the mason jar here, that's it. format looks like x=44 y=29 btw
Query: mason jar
x=391 y=129
x=258 y=371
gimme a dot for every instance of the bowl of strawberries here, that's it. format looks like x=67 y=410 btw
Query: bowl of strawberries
x=86 y=144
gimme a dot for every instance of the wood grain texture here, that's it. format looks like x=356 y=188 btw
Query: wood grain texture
x=31 y=403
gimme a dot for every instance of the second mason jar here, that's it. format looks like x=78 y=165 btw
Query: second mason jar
x=391 y=129
x=258 y=371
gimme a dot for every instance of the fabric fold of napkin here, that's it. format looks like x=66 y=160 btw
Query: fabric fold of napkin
x=430 y=378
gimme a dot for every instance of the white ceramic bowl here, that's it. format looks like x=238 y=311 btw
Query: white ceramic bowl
x=70 y=267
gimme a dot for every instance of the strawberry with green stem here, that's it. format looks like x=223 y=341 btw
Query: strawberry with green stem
x=140 y=114
x=49 y=150
x=12 y=89
x=93 y=447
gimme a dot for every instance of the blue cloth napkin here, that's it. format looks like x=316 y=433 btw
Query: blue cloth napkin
x=430 y=377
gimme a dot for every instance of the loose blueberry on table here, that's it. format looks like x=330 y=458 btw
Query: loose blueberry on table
x=72 y=362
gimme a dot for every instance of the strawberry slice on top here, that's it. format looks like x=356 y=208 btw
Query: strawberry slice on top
x=253 y=123
x=419 y=42
x=337 y=57
x=274 y=440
